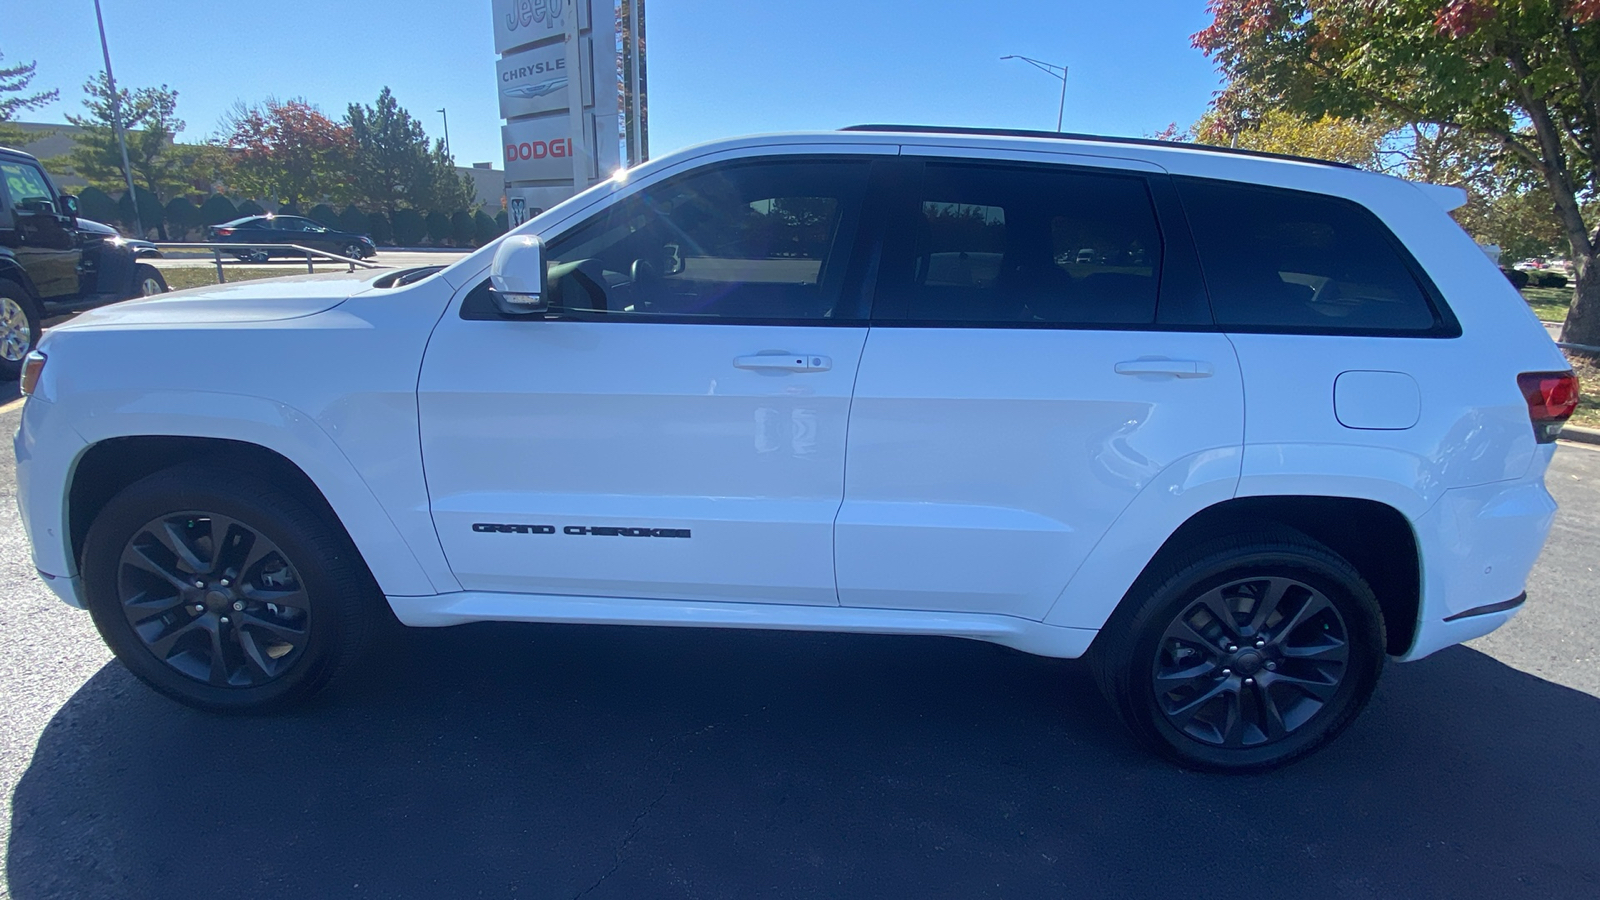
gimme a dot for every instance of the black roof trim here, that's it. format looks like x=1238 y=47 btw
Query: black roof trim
x=1096 y=138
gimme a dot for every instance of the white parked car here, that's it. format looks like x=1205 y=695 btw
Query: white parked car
x=840 y=382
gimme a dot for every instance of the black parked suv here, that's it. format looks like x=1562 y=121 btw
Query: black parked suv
x=47 y=265
x=273 y=229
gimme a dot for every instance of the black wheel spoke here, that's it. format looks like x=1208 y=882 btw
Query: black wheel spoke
x=1192 y=673
x=1316 y=688
x=1271 y=597
x=1328 y=650
x=142 y=606
x=162 y=646
x=171 y=538
x=260 y=667
x=219 y=655
x=294 y=597
x=140 y=558
x=1313 y=605
x=1214 y=604
x=1271 y=716
x=285 y=633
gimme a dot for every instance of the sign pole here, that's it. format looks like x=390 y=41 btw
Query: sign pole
x=581 y=151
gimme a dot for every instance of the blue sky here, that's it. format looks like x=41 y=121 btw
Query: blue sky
x=717 y=67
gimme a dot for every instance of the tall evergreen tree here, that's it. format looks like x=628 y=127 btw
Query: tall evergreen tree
x=394 y=167
x=15 y=80
x=149 y=120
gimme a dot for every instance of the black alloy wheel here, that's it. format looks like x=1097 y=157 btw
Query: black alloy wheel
x=1243 y=653
x=213 y=599
x=1250 y=662
x=225 y=592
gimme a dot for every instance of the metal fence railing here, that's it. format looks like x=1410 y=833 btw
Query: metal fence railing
x=218 y=250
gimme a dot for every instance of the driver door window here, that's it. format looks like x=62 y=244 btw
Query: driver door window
x=763 y=241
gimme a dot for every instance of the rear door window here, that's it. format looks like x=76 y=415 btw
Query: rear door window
x=1282 y=260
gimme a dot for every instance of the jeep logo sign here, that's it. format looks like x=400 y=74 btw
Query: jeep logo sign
x=537 y=149
x=518 y=22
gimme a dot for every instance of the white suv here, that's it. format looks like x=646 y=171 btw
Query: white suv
x=1236 y=427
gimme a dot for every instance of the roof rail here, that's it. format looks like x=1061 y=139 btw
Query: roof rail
x=1096 y=138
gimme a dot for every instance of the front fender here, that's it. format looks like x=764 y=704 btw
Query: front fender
x=270 y=424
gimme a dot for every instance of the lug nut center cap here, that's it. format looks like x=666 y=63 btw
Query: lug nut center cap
x=217 y=599
x=1248 y=662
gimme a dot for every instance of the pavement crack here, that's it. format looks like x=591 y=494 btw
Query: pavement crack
x=638 y=821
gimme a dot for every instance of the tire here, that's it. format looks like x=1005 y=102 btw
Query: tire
x=309 y=606
x=19 y=328
x=148 y=281
x=354 y=251
x=1185 y=696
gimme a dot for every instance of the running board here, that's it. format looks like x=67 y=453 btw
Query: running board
x=483 y=606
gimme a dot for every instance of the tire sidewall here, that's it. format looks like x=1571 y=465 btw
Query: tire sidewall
x=143 y=502
x=1336 y=580
x=9 y=370
x=143 y=272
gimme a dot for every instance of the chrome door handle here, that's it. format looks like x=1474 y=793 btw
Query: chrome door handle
x=1181 y=368
x=788 y=362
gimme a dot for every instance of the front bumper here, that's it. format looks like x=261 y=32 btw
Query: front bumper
x=45 y=458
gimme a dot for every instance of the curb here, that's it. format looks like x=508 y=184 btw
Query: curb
x=1580 y=434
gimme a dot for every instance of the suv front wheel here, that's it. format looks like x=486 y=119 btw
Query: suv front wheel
x=19 y=327
x=224 y=592
x=1244 y=653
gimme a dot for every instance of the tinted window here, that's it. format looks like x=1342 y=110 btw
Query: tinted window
x=762 y=240
x=1277 y=259
x=1029 y=246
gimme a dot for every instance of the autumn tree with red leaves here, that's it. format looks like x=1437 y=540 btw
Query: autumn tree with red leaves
x=287 y=151
x=1524 y=74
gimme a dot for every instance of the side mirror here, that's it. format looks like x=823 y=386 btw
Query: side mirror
x=518 y=276
x=69 y=203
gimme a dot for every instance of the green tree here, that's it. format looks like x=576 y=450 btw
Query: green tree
x=379 y=228
x=461 y=228
x=354 y=220
x=151 y=213
x=181 y=214
x=409 y=227
x=149 y=121
x=14 y=80
x=288 y=151
x=394 y=165
x=485 y=229
x=438 y=227
x=96 y=204
x=1524 y=74
x=1359 y=143
x=217 y=209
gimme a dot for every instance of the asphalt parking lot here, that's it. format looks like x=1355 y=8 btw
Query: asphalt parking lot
x=565 y=762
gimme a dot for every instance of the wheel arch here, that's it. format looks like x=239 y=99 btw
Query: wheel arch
x=335 y=491
x=1375 y=537
x=12 y=270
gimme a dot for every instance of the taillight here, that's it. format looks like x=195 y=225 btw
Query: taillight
x=1552 y=397
x=32 y=368
x=223 y=232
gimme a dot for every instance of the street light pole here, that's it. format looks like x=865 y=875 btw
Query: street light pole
x=116 y=122
x=446 y=130
x=1054 y=71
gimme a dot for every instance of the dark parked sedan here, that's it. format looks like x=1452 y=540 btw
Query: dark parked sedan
x=270 y=229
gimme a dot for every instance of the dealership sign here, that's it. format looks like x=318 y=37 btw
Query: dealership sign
x=535 y=81
x=518 y=22
x=537 y=149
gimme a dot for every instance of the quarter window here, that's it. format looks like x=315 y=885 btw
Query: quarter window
x=1295 y=261
x=749 y=241
x=1029 y=246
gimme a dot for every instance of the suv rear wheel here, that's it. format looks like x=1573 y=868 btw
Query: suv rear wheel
x=19 y=327
x=1244 y=653
x=224 y=592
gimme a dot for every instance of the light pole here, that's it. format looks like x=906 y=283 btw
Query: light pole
x=446 y=130
x=116 y=122
x=1056 y=72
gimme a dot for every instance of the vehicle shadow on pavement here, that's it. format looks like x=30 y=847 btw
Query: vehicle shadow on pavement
x=551 y=761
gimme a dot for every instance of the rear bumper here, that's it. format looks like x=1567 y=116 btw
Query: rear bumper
x=1478 y=545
